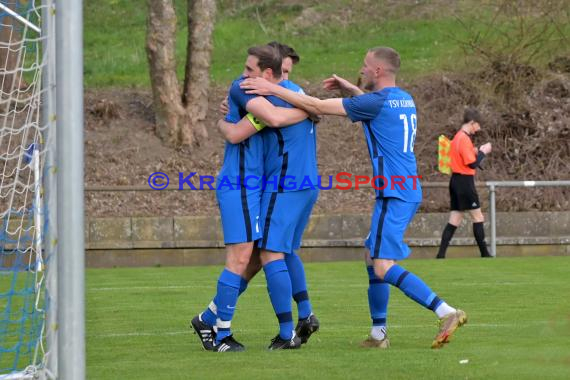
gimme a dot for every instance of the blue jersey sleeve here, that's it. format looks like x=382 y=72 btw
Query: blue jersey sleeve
x=364 y=107
x=238 y=97
x=233 y=115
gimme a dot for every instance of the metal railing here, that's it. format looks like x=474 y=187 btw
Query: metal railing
x=491 y=185
x=492 y=206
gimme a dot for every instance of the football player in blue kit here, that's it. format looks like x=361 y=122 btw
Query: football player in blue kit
x=389 y=119
x=289 y=195
x=239 y=191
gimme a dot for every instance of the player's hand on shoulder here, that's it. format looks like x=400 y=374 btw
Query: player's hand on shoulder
x=224 y=107
x=486 y=148
x=258 y=86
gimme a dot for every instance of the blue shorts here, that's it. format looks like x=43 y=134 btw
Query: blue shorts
x=239 y=211
x=390 y=220
x=284 y=217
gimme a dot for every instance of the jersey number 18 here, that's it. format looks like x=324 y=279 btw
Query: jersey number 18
x=412 y=137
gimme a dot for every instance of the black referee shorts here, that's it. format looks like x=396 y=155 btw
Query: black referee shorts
x=463 y=193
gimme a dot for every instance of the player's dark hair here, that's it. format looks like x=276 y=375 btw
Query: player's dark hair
x=471 y=114
x=388 y=55
x=286 y=51
x=269 y=58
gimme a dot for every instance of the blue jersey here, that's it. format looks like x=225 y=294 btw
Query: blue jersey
x=243 y=161
x=389 y=120
x=290 y=153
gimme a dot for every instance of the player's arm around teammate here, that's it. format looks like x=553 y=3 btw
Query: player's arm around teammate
x=387 y=113
x=284 y=219
x=239 y=209
x=251 y=124
x=242 y=262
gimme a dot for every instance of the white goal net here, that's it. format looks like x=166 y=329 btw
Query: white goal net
x=24 y=135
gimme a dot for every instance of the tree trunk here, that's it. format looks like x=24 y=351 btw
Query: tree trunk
x=172 y=121
x=201 y=20
x=180 y=114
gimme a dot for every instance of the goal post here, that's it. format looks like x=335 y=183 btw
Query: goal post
x=70 y=200
x=42 y=305
x=50 y=186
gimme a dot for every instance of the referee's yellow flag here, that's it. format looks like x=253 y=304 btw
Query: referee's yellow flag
x=444 y=161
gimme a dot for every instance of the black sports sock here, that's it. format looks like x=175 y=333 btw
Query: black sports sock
x=448 y=232
x=479 y=234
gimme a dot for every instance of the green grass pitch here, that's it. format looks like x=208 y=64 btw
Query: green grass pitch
x=519 y=324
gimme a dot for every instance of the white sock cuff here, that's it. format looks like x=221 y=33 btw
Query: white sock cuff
x=443 y=310
x=378 y=332
x=223 y=324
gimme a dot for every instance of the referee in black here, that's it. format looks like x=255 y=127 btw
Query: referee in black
x=465 y=159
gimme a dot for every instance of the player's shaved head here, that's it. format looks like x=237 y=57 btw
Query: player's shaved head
x=388 y=56
x=268 y=57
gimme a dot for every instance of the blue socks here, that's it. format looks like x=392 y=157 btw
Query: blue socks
x=279 y=288
x=378 y=296
x=242 y=285
x=413 y=287
x=210 y=315
x=299 y=285
x=226 y=300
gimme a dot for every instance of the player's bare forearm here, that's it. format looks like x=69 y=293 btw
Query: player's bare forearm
x=352 y=91
x=345 y=87
x=311 y=104
x=273 y=116
x=225 y=130
x=236 y=133
x=288 y=116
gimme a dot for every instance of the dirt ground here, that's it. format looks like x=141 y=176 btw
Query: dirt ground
x=531 y=140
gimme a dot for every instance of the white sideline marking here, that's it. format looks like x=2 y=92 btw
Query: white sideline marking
x=390 y=326
x=213 y=286
x=484 y=325
x=142 y=288
x=262 y=285
x=122 y=335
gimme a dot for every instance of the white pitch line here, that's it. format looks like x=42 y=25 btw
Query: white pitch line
x=484 y=325
x=122 y=335
x=112 y=289
x=390 y=326
x=262 y=285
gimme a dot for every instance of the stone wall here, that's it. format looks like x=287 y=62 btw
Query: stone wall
x=198 y=240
